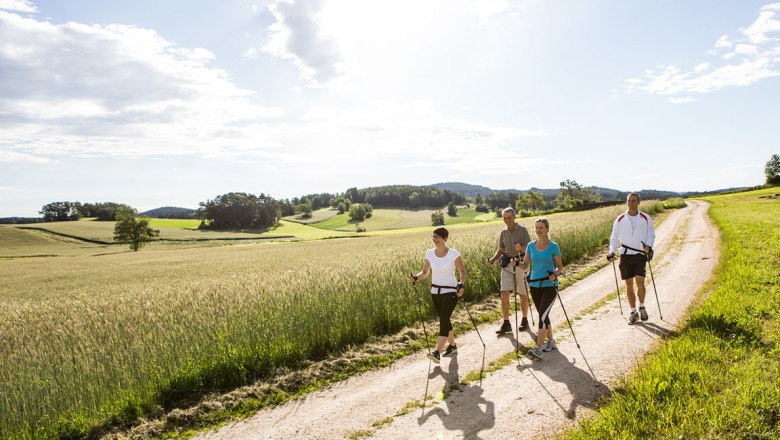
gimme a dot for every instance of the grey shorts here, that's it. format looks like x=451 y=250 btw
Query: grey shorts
x=507 y=282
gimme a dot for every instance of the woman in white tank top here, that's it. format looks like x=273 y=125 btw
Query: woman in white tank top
x=445 y=288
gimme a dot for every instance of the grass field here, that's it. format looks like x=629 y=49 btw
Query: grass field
x=88 y=339
x=720 y=376
x=316 y=216
x=384 y=219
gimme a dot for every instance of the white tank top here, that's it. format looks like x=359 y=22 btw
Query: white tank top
x=443 y=270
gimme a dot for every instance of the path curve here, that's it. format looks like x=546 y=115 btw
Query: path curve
x=525 y=399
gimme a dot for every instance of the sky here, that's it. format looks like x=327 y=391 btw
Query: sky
x=174 y=103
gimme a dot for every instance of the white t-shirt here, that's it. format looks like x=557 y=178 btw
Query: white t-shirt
x=443 y=270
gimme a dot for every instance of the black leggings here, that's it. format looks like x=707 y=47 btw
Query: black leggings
x=444 y=304
x=544 y=298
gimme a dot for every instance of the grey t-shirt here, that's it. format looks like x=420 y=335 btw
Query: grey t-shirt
x=508 y=238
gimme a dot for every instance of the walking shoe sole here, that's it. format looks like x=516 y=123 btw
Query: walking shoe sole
x=434 y=359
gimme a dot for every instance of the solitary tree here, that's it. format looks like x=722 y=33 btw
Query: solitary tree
x=303 y=209
x=133 y=230
x=437 y=218
x=357 y=212
x=772 y=170
x=452 y=211
x=572 y=195
x=530 y=201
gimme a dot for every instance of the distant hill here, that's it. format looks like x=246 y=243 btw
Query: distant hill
x=170 y=212
x=607 y=194
x=19 y=220
x=466 y=189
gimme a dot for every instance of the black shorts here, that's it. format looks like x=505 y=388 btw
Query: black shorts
x=632 y=266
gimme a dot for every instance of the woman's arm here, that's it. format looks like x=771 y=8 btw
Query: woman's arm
x=558 y=267
x=462 y=271
x=423 y=274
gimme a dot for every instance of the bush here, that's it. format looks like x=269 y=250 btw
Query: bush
x=437 y=218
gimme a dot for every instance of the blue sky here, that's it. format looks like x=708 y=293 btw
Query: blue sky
x=172 y=103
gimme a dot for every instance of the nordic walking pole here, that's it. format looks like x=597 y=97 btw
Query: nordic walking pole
x=419 y=312
x=528 y=295
x=425 y=333
x=652 y=277
x=517 y=332
x=617 y=287
x=481 y=371
x=564 y=311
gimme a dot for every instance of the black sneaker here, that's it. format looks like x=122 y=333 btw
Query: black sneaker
x=434 y=356
x=506 y=327
x=643 y=314
x=451 y=349
x=632 y=317
x=523 y=324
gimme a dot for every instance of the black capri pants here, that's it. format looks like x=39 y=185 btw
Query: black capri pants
x=444 y=303
x=544 y=298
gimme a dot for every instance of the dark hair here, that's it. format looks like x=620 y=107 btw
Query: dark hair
x=442 y=232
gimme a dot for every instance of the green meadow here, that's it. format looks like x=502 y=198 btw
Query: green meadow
x=719 y=377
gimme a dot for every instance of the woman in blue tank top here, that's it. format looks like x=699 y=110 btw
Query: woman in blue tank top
x=544 y=256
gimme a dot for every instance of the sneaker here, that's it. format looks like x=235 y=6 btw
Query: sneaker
x=523 y=324
x=643 y=314
x=534 y=353
x=549 y=345
x=632 y=317
x=451 y=349
x=506 y=327
x=434 y=356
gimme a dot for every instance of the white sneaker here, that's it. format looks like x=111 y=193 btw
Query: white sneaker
x=549 y=346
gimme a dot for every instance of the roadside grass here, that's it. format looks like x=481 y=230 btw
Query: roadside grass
x=719 y=376
x=89 y=343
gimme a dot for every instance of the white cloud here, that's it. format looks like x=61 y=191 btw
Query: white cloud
x=298 y=35
x=748 y=50
x=723 y=42
x=16 y=157
x=767 y=22
x=18 y=6
x=485 y=9
x=113 y=90
x=753 y=58
x=681 y=100
x=74 y=90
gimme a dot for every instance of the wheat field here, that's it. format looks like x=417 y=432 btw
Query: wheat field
x=86 y=337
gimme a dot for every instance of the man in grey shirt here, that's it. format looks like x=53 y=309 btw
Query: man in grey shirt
x=511 y=243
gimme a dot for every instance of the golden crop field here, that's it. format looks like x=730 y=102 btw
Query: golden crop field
x=85 y=337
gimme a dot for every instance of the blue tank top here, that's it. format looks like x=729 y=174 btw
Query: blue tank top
x=542 y=262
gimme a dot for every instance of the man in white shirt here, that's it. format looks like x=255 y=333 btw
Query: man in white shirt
x=634 y=230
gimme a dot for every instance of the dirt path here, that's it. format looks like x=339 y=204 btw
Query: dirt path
x=525 y=399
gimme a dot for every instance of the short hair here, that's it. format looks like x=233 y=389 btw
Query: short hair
x=543 y=221
x=442 y=232
x=508 y=209
x=633 y=194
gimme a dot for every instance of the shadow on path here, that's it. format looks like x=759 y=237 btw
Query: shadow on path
x=466 y=410
x=584 y=389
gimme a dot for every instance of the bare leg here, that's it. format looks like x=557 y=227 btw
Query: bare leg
x=524 y=305
x=440 y=343
x=630 y=293
x=505 y=304
x=451 y=337
x=640 y=288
